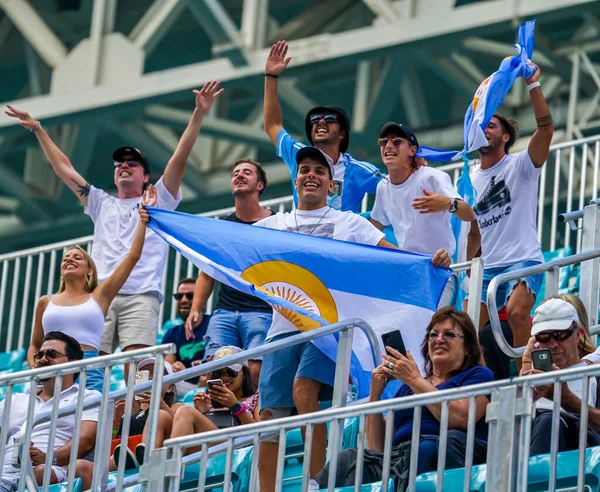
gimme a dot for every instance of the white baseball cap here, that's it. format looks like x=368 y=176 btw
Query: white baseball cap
x=226 y=352
x=151 y=361
x=554 y=315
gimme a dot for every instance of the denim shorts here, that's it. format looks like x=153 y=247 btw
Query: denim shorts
x=279 y=369
x=244 y=329
x=534 y=282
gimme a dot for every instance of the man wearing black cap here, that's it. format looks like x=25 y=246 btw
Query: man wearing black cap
x=132 y=320
x=298 y=375
x=328 y=129
x=417 y=202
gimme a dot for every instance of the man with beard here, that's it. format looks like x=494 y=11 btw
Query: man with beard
x=239 y=319
x=328 y=129
x=58 y=348
x=505 y=227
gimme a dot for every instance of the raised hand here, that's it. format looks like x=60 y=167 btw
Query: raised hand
x=149 y=197
x=277 y=61
x=25 y=119
x=536 y=75
x=205 y=97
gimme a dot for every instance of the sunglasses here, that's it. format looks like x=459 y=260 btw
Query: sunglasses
x=50 y=354
x=329 y=118
x=188 y=295
x=446 y=335
x=559 y=336
x=396 y=141
x=228 y=371
x=129 y=163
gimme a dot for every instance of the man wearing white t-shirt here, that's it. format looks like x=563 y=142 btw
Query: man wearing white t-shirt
x=132 y=320
x=295 y=376
x=556 y=327
x=58 y=348
x=417 y=201
x=507 y=192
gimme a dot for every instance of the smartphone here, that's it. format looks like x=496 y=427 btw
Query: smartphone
x=209 y=385
x=394 y=339
x=141 y=377
x=542 y=359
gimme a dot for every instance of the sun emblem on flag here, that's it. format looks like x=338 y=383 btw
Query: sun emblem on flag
x=297 y=285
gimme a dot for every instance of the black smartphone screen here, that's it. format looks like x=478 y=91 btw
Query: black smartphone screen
x=394 y=339
x=542 y=359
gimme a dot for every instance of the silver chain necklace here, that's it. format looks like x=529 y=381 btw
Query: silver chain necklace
x=314 y=228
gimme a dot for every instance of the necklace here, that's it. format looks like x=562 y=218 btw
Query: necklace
x=313 y=229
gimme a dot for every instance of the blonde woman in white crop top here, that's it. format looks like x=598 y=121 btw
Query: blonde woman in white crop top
x=80 y=305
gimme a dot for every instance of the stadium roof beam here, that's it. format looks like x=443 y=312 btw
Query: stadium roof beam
x=413 y=100
x=362 y=95
x=35 y=30
x=254 y=23
x=155 y=23
x=384 y=10
x=6 y=27
x=103 y=22
x=350 y=46
x=220 y=28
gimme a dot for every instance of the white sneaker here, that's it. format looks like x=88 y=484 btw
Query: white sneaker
x=313 y=485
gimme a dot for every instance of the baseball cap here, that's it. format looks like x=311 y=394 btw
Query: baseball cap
x=553 y=315
x=151 y=361
x=314 y=154
x=343 y=120
x=123 y=151
x=391 y=126
x=226 y=352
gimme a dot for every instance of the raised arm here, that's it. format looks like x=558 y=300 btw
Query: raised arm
x=106 y=292
x=37 y=336
x=202 y=290
x=205 y=98
x=539 y=145
x=275 y=65
x=58 y=160
x=375 y=422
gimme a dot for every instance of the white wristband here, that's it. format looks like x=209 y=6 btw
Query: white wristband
x=533 y=85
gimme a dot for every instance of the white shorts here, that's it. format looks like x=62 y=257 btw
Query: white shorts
x=131 y=320
x=10 y=479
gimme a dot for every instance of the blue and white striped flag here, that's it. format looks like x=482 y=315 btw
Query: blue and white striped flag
x=314 y=281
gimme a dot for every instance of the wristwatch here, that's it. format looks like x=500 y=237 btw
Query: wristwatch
x=453 y=208
x=54 y=460
x=235 y=408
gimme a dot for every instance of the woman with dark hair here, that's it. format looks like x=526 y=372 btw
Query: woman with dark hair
x=80 y=305
x=453 y=359
x=233 y=403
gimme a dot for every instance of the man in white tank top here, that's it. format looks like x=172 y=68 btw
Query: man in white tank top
x=132 y=321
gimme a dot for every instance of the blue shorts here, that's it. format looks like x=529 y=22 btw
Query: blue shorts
x=95 y=377
x=279 y=369
x=244 y=329
x=534 y=282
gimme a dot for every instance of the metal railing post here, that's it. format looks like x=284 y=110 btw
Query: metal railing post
x=590 y=240
x=475 y=286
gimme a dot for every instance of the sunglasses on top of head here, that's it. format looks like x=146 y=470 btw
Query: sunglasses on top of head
x=329 y=118
x=50 y=354
x=188 y=295
x=396 y=141
x=558 y=335
x=130 y=163
x=228 y=371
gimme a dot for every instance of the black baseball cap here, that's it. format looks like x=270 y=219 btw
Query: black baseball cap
x=314 y=154
x=392 y=127
x=343 y=120
x=121 y=152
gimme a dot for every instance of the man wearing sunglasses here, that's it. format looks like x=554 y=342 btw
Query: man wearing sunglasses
x=556 y=328
x=132 y=320
x=328 y=129
x=417 y=201
x=188 y=349
x=58 y=348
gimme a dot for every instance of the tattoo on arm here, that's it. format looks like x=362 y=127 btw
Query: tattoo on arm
x=82 y=189
x=544 y=120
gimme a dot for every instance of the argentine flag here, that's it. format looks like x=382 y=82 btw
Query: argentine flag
x=313 y=281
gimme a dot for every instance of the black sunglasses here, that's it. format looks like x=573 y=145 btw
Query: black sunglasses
x=329 y=118
x=228 y=371
x=50 y=354
x=130 y=163
x=188 y=295
x=559 y=335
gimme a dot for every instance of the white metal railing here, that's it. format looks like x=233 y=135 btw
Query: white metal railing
x=28 y=274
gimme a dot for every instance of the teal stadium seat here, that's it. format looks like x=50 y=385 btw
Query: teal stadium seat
x=62 y=487
x=564 y=275
x=12 y=361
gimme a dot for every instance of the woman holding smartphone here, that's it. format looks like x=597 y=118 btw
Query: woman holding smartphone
x=80 y=305
x=231 y=399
